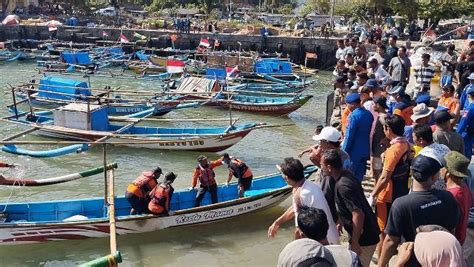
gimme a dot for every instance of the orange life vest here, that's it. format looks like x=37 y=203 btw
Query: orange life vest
x=206 y=176
x=160 y=199
x=242 y=167
x=142 y=185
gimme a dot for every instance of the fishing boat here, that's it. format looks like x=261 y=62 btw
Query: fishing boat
x=90 y=123
x=53 y=92
x=35 y=222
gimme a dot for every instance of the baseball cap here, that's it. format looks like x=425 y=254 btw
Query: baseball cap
x=330 y=134
x=471 y=76
x=442 y=116
x=457 y=164
x=305 y=252
x=423 y=99
x=352 y=98
x=424 y=167
x=371 y=83
x=395 y=90
x=381 y=100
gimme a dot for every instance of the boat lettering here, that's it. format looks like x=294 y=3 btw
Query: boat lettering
x=217 y=214
x=188 y=218
x=183 y=143
x=128 y=110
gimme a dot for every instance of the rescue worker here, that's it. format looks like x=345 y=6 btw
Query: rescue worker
x=241 y=171
x=160 y=196
x=448 y=101
x=357 y=137
x=204 y=172
x=137 y=192
x=466 y=125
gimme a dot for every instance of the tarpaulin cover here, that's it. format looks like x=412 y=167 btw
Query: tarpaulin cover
x=273 y=65
x=79 y=58
x=219 y=74
x=116 y=50
x=194 y=84
x=62 y=85
x=141 y=55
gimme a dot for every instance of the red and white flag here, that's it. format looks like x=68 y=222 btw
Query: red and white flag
x=52 y=27
x=105 y=34
x=205 y=43
x=174 y=66
x=123 y=39
x=232 y=72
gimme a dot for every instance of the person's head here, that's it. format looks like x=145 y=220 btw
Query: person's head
x=402 y=51
x=422 y=135
x=448 y=90
x=341 y=63
x=373 y=62
x=392 y=40
x=450 y=49
x=470 y=54
x=358 y=51
x=292 y=170
x=352 y=74
x=421 y=114
x=457 y=167
x=364 y=92
x=157 y=172
x=394 y=126
x=349 y=58
x=318 y=129
x=353 y=42
x=438 y=248
x=170 y=177
x=425 y=58
x=362 y=78
x=443 y=119
x=346 y=42
x=353 y=101
x=471 y=78
x=381 y=50
x=380 y=104
x=396 y=92
x=313 y=223
x=331 y=162
x=340 y=43
x=226 y=158
x=425 y=170
x=425 y=98
x=328 y=138
x=202 y=160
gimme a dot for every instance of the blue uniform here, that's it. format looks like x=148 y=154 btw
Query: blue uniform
x=466 y=125
x=357 y=140
x=464 y=100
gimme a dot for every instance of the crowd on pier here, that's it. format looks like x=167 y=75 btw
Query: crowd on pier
x=414 y=143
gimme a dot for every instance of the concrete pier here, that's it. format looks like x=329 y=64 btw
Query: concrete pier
x=295 y=47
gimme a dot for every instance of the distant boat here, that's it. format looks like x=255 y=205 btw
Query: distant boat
x=34 y=222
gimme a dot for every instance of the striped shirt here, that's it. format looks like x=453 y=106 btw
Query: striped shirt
x=424 y=75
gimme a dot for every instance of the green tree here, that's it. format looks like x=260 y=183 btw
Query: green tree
x=317 y=6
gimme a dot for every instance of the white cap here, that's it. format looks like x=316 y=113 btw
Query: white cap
x=330 y=134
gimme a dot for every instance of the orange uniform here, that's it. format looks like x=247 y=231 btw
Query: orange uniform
x=160 y=199
x=345 y=119
x=405 y=114
x=206 y=176
x=142 y=185
x=449 y=103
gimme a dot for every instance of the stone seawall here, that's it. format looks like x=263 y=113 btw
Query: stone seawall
x=295 y=47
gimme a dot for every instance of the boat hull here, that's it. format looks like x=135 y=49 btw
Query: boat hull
x=43 y=232
x=270 y=109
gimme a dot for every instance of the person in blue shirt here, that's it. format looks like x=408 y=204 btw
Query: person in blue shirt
x=466 y=125
x=464 y=99
x=357 y=136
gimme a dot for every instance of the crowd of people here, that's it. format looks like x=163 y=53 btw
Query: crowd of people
x=416 y=146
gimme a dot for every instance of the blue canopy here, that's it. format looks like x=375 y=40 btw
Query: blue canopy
x=79 y=58
x=49 y=85
x=219 y=74
x=273 y=66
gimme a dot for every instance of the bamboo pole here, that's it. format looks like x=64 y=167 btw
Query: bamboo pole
x=111 y=203
x=20 y=134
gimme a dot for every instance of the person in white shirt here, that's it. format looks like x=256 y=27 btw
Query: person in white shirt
x=380 y=74
x=340 y=52
x=305 y=193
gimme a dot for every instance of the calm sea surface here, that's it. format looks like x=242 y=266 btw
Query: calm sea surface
x=240 y=241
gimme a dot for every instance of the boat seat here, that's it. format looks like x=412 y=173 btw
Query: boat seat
x=251 y=193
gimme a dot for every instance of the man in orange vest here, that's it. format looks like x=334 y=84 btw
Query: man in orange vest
x=241 y=171
x=204 y=172
x=160 y=196
x=138 y=190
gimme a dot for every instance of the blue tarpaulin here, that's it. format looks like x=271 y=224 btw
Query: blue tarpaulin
x=142 y=56
x=76 y=58
x=273 y=65
x=75 y=89
x=219 y=74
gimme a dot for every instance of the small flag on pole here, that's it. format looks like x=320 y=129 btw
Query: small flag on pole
x=123 y=39
x=105 y=34
x=139 y=36
x=174 y=66
x=205 y=43
x=232 y=72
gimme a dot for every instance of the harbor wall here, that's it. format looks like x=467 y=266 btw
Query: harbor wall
x=295 y=47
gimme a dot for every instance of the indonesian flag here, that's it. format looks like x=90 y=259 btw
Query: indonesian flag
x=52 y=27
x=217 y=43
x=232 y=72
x=311 y=55
x=123 y=39
x=205 y=43
x=105 y=34
x=174 y=66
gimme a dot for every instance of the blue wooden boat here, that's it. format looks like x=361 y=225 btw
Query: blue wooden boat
x=34 y=222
